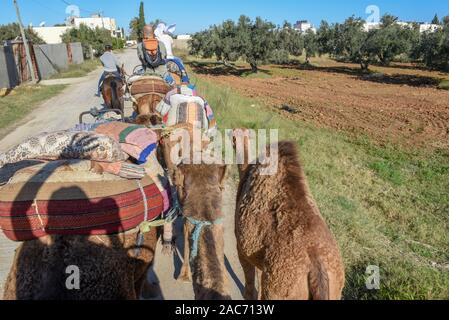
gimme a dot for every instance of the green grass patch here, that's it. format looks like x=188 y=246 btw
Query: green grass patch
x=22 y=100
x=78 y=70
x=386 y=206
x=444 y=85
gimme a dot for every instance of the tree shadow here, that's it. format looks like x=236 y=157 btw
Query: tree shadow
x=220 y=69
x=359 y=74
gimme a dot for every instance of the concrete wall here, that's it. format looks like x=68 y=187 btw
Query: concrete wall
x=51 y=35
x=77 y=53
x=9 y=76
x=51 y=58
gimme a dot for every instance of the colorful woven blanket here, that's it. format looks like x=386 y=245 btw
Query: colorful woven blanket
x=136 y=141
x=183 y=100
x=66 y=145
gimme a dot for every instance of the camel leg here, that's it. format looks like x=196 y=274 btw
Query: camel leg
x=259 y=274
x=249 y=270
x=186 y=273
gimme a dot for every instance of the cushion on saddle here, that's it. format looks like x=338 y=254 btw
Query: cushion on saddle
x=66 y=198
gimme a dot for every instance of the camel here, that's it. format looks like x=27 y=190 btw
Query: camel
x=281 y=233
x=110 y=268
x=146 y=105
x=200 y=191
x=147 y=92
x=199 y=188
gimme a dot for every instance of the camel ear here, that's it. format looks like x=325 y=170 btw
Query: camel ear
x=179 y=176
x=179 y=182
x=222 y=171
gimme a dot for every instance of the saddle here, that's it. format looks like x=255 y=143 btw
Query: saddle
x=149 y=85
x=66 y=198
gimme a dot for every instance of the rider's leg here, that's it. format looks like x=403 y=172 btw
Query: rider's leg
x=100 y=82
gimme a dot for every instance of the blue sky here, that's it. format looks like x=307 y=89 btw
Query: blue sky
x=195 y=15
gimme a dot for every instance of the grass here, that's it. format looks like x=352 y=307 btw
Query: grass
x=444 y=84
x=78 y=70
x=22 y=100
x=386 y=206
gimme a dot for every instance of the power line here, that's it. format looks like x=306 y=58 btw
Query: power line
x=81 y=9
x=47 y=7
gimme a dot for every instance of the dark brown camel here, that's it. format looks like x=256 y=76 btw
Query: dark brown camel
x=200 y=191
x=109 y=268
x=281 y=232
x=113 y=91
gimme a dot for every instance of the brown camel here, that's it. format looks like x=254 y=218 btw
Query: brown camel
x=200 y=191
x=113 y=91
x=281 y=232
x=146 y=105
x=109 y=267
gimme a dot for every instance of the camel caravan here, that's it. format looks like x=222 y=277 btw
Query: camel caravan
x=101 y=197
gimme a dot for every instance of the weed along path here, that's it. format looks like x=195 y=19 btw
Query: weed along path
x=62 y=112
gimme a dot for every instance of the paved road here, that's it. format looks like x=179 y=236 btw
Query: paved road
x=62 y=112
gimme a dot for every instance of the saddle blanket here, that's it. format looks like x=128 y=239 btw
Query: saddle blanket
x=66 y=198
x=136 y=141
x=183 y=105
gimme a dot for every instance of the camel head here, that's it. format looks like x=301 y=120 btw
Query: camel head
x=200 y=190
x=147 y=104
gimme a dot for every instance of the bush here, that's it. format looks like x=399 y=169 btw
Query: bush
x=280 y=56
x=12 y=31
x=98 y=38
x=118 y=43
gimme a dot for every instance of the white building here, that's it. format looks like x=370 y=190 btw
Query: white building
x=303 y=26
x=51 y=35
x=101 y=22
x=184 y=37
x=423 y=27
x=368 y=26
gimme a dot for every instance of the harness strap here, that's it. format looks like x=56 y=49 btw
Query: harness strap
x=199 y=225
x=140 y=235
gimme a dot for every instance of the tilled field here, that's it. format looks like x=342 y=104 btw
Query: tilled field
x=397 y=108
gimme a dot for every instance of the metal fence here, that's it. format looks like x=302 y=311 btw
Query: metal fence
x=47 y=59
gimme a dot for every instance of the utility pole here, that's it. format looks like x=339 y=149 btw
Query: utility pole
x=25 y=43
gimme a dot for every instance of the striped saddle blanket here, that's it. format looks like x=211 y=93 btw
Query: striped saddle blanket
x=66 y=198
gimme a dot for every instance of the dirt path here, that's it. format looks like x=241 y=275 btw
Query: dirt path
x=61 y=113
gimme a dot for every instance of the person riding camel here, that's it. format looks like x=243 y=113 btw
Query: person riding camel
x=164 y=35
x=152 y=54
x=111 y=66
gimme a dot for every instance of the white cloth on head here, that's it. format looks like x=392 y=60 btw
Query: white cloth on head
x=162 y=33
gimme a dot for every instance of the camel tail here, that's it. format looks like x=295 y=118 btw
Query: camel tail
x=319 y=282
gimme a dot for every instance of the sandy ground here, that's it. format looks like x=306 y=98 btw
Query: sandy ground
x=62 y=112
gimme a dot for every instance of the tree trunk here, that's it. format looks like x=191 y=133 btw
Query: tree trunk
x=364 y=65
x=254 y=68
